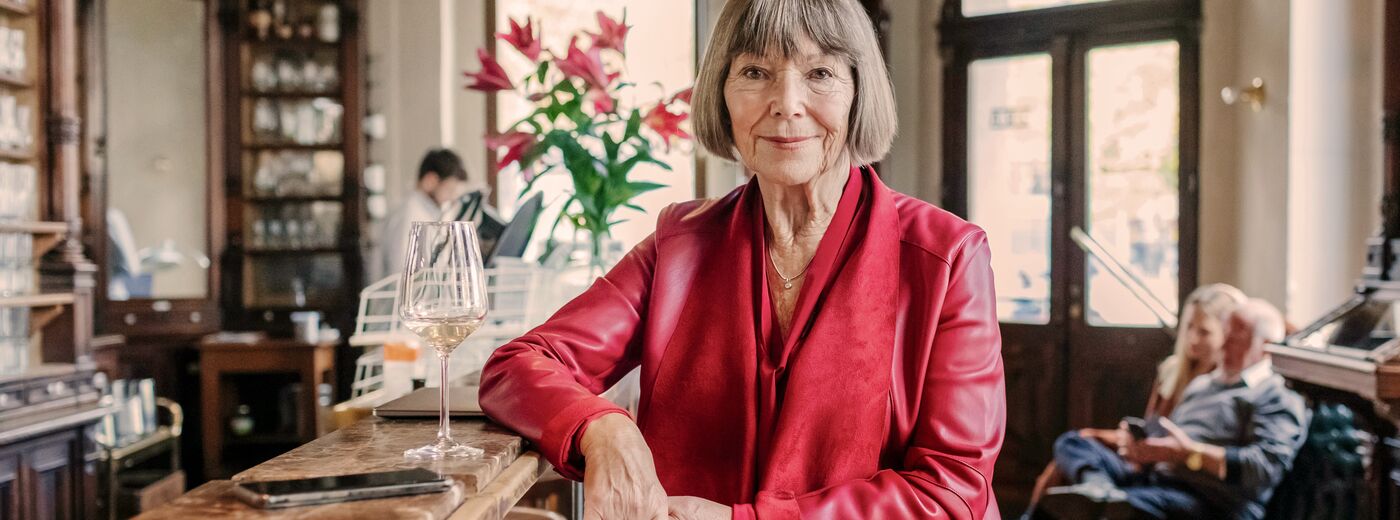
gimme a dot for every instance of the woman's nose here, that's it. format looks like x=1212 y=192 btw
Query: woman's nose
x=788 y=96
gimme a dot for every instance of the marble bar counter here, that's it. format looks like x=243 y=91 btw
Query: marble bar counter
x=483 y=488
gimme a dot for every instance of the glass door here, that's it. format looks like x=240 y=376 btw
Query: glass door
x=1082 y=124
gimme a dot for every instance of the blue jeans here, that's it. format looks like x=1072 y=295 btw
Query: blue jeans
x=1148 y=492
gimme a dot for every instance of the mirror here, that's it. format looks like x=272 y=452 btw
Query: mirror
x=157 y=149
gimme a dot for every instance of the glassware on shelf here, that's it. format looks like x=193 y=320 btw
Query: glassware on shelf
x=14 y=347
x=294 y=72
x=265 y=119
x=275 y=237
x=295 y=121
x=261 y=21
x=9 y=121
x=322 y=275
x=288 y=74
x=263 y=74
x=328 y=23
x=14 y=340
x=23 y=115
x=297 y=173
x=260 y=233
x=12 y=57
x=16 y=191
x=241 y=424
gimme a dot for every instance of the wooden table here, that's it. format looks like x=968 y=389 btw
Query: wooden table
x=483 y=489
x=308 y=364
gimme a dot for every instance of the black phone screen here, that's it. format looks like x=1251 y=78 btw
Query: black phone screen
x=1136 y=427
x=343 y=482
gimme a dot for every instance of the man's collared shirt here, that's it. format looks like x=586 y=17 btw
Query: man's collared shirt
x=1260 y=423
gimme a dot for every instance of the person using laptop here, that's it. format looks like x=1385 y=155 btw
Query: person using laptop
x=442 y=178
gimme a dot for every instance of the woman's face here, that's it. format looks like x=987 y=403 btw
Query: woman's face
x=1204 y=336
x=790 y=115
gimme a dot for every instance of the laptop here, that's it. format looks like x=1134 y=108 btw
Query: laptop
x=516 y=237
x=499 y=239
x=423 y=404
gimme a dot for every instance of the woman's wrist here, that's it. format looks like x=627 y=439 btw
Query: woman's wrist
x=601 y=429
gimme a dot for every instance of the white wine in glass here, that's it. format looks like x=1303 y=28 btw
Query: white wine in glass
x=442 y=299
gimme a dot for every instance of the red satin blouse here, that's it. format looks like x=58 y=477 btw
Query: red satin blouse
x=884 y=400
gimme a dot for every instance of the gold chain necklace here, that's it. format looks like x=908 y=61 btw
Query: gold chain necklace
x=787 y=281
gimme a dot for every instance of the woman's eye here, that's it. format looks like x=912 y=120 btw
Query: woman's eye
x=822 y=74
x=751 y=73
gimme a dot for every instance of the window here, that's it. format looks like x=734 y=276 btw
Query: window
x=1009 y=178
x=1133 y=201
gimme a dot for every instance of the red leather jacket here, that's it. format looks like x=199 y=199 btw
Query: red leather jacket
x=892 y=404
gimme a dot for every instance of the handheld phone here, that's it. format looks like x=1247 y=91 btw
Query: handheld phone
x=1136 y=427
x=340 y=488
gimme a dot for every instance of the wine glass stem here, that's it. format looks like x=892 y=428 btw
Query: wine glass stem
x=443 y=431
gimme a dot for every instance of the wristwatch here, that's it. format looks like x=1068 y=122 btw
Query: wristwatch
x=1195 y=460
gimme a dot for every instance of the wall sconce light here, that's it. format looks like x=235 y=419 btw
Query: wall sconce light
x=1254 y=94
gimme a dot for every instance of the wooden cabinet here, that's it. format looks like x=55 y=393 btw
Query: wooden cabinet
x=49 y=477
x=281 y=381
x=9 y=485
x=293 y=144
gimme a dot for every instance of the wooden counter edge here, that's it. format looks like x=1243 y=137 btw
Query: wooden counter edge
x=504 y=491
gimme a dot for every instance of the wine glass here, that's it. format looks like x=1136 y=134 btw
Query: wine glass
x=442 y=299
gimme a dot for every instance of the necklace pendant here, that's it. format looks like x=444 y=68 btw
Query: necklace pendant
x=787 y=285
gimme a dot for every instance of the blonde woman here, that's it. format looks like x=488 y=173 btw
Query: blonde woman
x=1200 y=334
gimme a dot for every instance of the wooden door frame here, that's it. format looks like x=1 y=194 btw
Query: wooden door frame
x=1065 y=34
x=139 y=317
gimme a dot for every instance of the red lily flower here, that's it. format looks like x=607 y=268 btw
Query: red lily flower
x=517 y=144
x=523 y=39
x=602 y=102
x=665 y=123
x=491 y=77
x=585 y=65
x=611 y=33
x=683 y=96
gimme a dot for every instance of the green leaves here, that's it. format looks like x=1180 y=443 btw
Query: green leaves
x=599 y=151
x=634 y=126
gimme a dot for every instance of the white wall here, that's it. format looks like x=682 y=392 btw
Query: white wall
x=418 y=50
x=1244 y=159
x=914 y=165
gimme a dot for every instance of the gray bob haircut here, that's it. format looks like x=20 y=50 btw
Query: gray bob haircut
x=772 y=27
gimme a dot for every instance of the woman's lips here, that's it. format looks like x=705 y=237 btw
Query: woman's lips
x=787 y=143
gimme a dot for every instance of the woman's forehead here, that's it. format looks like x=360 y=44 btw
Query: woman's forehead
x=816 y=55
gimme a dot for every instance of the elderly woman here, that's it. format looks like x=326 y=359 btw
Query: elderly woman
x=812 y=344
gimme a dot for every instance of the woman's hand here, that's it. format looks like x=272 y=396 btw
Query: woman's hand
x=619 y=477
x=1171 y=448
x=696 y=508
x=1110 y=438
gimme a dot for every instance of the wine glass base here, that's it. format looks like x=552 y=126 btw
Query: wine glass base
x=443 y=449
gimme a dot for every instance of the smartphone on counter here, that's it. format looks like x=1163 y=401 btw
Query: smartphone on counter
x=340 y=488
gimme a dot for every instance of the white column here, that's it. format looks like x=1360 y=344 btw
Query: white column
x=1333 y=150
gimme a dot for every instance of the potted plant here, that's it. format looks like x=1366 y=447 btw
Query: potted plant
x=580 y=125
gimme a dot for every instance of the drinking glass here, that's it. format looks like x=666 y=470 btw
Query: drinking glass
x=442 y=299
